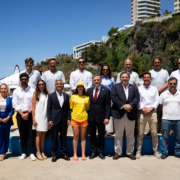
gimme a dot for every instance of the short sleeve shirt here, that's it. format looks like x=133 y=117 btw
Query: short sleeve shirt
x=106 y=82
x=171 y=105
x=134 y=78
x=79 y=106
x=50 y=79
x=159 y=78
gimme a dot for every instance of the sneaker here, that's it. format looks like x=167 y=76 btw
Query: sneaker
x=157 y=154
x=22 y=157
x=164 y=156
x=33 y=158
x=138 y=155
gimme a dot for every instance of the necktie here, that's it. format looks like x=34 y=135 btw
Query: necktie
x=95 y=96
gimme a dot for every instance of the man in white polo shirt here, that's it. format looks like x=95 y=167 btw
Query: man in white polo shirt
x=51 y=75
x=176 y=74
x=159 y=79
x=134 y=77
x=80 y=75
x=170 y=102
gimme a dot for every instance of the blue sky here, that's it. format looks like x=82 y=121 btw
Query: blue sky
x=44 y=28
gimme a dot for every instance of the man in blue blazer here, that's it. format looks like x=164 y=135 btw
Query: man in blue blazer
x=99 y=114
x=125 y=98
x=58 y=113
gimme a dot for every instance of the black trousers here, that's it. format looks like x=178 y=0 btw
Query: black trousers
x=25 y=131
x=93 y=140
x=62 y=128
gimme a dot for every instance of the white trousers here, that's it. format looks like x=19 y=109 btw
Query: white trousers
x=120 y=125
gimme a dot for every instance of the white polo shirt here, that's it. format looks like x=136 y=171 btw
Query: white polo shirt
x=171 y=105
x=134 y=78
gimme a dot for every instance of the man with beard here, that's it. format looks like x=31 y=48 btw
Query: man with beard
x=149 y=101
x=22 y=102
x=170 y=102
x=58 y=113
x=134 y=78
x=51 y=75
x=34 y=76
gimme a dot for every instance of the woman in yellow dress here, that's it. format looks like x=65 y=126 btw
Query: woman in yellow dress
x=79 y=103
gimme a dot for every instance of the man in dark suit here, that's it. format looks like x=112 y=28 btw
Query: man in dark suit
x=99 y=114
x=58 y=112
x=125 y=98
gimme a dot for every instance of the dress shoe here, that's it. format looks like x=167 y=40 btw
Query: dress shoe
x=54 y=158
x=132 y=156
x=101 y=155
x=164 y=156
x=65 y=157
x=178 y=156
x=92 y=156
x=116 y=156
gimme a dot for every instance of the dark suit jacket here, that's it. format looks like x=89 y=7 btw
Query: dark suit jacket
x=54 y=111
x=119 y=100
x=9 y=111
x=100 y=109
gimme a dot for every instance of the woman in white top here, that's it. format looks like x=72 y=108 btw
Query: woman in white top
x=6 y=113
x=39 y=114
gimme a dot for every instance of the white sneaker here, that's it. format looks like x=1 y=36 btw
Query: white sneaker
x=33 y=158
x=22 y=157
x=157 y=154
x=138 y=155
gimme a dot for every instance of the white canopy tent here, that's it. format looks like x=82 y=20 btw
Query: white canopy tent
x=12 y=81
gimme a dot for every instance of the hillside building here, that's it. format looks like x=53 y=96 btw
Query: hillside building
x=142 y=9
x=176 y=5
x=77 y=50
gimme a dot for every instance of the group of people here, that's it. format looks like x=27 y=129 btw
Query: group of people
x=97 y=103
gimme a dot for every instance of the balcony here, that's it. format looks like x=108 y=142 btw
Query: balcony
x=150 y=1
x=147 y=4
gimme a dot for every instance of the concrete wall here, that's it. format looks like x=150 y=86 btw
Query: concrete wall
x=159 y=19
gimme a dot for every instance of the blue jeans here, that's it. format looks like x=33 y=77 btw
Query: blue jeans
x=167 y=126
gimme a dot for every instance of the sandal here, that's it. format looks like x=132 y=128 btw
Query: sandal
x=39 y=157
x=84 y=158
x=43 y=155
x=75 y=159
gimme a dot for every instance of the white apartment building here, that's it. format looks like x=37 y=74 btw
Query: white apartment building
x=142 y=9
x=77 y=50
x=176 y=5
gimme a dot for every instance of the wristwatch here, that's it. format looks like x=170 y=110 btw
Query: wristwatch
x=150 y=109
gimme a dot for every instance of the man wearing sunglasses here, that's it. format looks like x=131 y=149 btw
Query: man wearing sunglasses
x=170 y=102
x=134 y=77
x=51 y=75
x=176 y=74
x=159 y=79
x=22 y=102
x=80 y=75
x=34 y=76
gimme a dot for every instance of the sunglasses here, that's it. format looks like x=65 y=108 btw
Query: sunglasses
x=157 y=62
x=52 y=63
x=41 y=84
x=172 y=83
x=81 y=62
x=24 y=79
x=105 y=69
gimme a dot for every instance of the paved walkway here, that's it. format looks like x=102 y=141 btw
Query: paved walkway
x=147 y=168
